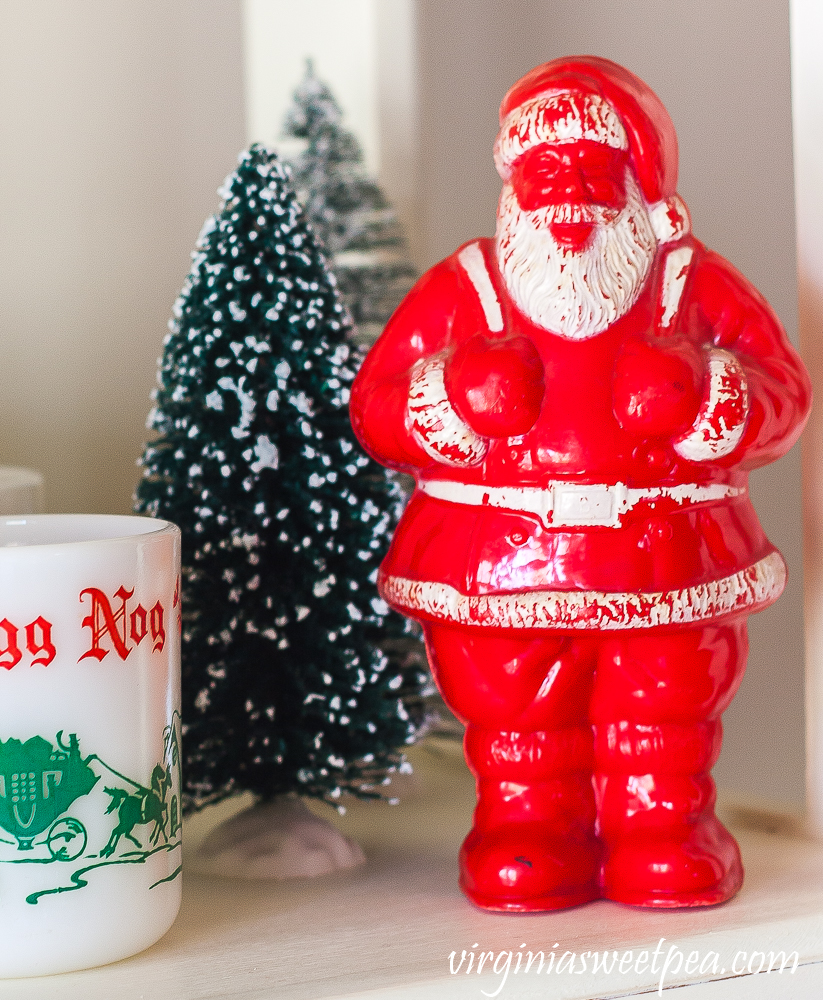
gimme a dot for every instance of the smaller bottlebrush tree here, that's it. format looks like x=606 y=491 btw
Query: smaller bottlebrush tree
x=358 y=228
x=284 y=518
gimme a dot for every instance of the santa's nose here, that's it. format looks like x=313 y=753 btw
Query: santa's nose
x=562 y=187
x=568 y=185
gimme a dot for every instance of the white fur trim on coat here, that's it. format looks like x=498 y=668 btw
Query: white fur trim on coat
x=435 y=424
x=720 y=424
x=748 y=590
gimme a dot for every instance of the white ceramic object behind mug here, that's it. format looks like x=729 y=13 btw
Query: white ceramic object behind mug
x=21 y=490
x=90 y=832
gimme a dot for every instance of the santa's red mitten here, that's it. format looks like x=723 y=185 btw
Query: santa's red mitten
x=657 y=391
x=496 y=385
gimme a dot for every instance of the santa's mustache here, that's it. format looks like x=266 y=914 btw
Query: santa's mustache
x=573 y=212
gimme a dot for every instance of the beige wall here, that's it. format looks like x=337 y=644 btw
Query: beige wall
x=119 y=120
x=723 y=72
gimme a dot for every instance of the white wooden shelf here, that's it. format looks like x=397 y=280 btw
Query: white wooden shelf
x=386 y=930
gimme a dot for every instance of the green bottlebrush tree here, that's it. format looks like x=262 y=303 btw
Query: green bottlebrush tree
x=284 y=518
x=357 y=226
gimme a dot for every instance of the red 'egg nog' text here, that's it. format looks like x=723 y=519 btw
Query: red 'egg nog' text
x=125 y=629
x=35 y=640
x=116 y=624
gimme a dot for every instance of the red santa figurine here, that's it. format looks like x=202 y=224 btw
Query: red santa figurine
x=580 y=400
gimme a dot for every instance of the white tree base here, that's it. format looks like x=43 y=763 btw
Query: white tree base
x=282 y=839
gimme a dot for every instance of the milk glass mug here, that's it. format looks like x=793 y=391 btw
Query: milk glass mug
x=90 y=821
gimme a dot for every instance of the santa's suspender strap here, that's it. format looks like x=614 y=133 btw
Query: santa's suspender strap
x=474 y=264
x=432 y=420
x=676 y=268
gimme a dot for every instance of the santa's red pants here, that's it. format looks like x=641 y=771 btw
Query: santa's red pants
x=592 y=757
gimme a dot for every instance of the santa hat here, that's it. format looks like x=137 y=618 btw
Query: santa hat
x=586 y=97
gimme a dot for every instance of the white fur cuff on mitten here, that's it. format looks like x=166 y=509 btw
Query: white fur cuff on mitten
x=434 y=422
x=719 y=425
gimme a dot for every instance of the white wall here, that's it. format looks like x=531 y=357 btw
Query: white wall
x=341 y=39
x=807 y=87
x=119 y=121
x=365 y=51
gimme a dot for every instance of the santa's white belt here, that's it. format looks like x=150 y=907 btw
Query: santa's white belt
x=563 y=504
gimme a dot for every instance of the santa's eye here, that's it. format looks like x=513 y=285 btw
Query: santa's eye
x=547 y=163
x=596 y=158
x=601 y=188
x=596 y=161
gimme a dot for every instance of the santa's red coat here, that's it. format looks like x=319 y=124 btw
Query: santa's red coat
x=688 y=548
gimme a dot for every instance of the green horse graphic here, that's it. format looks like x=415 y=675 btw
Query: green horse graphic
x=145 y=805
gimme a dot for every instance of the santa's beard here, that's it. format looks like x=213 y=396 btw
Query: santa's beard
x=575 y=293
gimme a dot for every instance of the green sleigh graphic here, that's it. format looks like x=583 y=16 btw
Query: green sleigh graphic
x=41 y=781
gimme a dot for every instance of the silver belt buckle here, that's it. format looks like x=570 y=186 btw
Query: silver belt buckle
x=587 y=505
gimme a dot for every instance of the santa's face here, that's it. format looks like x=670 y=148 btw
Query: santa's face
x=576 y=175
x=574 y=238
